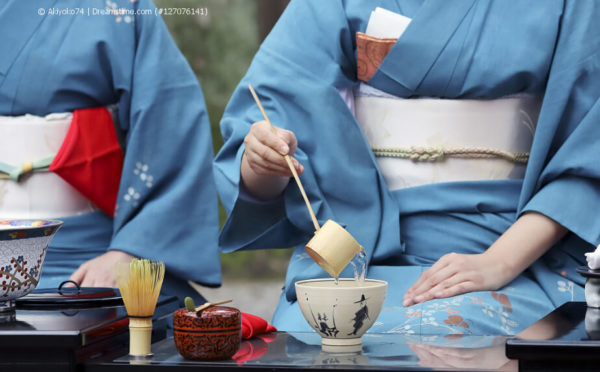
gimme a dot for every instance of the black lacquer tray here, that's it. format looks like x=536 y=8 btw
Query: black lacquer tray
x=74 y=297
x=587 y=272
x=55 y=335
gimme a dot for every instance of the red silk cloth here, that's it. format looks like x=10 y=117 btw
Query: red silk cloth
x=370 y=52
x=255 y=338
x=252 y=349
x=253 y=325
x=90 y=158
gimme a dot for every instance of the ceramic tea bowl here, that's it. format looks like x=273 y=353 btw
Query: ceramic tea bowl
x=213 y=334
x=23 y=245
x=340 y=313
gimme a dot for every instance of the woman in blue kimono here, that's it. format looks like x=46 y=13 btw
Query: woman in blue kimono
x=472 y=256
x=120 y=54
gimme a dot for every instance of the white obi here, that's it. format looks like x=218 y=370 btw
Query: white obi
x=504 y=125
x=37 y=195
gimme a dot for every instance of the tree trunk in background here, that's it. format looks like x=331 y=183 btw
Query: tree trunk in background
x=268 y=13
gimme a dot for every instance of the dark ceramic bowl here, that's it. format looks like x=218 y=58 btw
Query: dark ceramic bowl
x=215 y=334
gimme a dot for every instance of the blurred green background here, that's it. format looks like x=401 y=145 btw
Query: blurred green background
x=219 y=47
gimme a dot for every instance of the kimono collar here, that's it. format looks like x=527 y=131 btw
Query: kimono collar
x=417 y=49
x=18 y=21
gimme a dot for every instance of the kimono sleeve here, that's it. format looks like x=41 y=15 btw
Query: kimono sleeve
x=566 y=147
x=167 y=202
x=298 y=71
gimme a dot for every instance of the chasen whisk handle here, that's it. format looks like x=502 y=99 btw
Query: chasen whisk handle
x=140 y=336
x=140 y=281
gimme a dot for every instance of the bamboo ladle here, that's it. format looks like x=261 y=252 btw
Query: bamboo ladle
x=289 y=162
x=206 y=305
x=332 y=246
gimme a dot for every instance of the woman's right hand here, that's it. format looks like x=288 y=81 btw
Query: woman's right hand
x=264 y=171
x=266 y=147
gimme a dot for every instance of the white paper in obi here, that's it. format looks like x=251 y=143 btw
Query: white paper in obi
x=386 y=24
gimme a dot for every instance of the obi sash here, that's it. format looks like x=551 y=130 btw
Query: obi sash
x=423 y=140
x=427 y=140
x=59 y=165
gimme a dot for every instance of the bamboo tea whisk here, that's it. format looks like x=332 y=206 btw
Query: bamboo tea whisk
x=289 y=162
x=139 y=282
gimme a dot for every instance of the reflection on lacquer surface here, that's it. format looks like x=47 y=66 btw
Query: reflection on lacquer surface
x=488 y=358
x=429 y=351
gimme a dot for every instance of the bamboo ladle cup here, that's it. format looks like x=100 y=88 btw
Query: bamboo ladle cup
x=332 y=246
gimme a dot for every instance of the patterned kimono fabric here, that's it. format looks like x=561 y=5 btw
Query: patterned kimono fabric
x=166 y=206
x=462 y=49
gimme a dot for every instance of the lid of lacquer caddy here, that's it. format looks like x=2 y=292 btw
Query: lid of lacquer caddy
x=65 y=297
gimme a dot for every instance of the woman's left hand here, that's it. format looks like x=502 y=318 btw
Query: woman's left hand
x=454 y=274
x=518 y=247
x=100 y=271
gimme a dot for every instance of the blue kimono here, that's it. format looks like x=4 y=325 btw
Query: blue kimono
x=166 y=206
x=459 y=49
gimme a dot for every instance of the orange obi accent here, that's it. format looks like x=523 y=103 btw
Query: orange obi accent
x=370 y=52
x=90 y=158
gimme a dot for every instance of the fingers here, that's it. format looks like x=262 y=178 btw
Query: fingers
x=289 y=138
x=278 y=139
x=427 y=358
x=78 y=275
x=98 y=279
x=264 y=160
x=90 y=274
x=451 y=357
x=429 y=278
x=451 y=275
x=281 y=140
x=426 y=275
x=451 y=290
x=83 y=276
x=453 y=285
x=488 y=358
x=265 y=148
x=88 y=281
x=454 y=353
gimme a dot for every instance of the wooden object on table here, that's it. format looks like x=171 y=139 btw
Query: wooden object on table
x=289 y=162
x=139 y=282
x=209 y=304
x=332 y=247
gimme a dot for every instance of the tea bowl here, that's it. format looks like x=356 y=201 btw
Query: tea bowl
x=341 y=313
x=23 y=245
x=211 y=334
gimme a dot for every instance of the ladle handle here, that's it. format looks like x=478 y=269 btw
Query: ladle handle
x=209 y=304
x=289 y=162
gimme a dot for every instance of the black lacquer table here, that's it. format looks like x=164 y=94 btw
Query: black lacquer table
x=567 y=339
x=95 y=340
x=60 y=340
x=302 y=352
